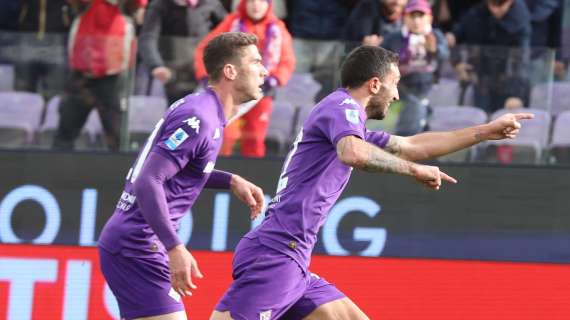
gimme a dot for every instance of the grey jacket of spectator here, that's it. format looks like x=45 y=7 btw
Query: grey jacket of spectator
x=166 y=18
x=366 y=19
x=421 y=81
x=480 y=27
x=318 y=19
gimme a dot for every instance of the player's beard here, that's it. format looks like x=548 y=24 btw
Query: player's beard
x=247 y=91
x=377 y=107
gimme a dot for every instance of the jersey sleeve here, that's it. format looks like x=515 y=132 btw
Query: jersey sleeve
x=338 y=121
x=183 y=138
x=377 y=138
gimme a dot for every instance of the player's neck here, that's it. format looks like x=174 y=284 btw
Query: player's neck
x=360 y=95
x=226 y=99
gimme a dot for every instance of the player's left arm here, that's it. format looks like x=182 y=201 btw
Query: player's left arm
x=246 y=191
x=431 y=145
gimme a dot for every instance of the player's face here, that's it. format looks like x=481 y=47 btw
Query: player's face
x=379 y=103
x=256 y=9
x=251 y=75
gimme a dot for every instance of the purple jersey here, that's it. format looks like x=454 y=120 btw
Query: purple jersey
x=190 y=136
x=313 y=177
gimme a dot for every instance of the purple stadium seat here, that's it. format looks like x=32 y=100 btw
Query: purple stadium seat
x=530 y=143
x=144 y=113
x=560 y=145
x=6 y=77
x=444 y=93
x=281 y=126
x=456 y=117
x=300 y=90
x=555 y=101
x=20 y=114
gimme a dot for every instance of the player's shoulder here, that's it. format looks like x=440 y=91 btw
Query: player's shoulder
x=338 y=102
x=196 y=110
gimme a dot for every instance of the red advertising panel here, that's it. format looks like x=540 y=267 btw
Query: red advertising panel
x=64 y=282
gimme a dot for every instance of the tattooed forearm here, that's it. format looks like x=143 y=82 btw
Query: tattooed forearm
x=365 y=156
x=381 y=161
x=394 y=145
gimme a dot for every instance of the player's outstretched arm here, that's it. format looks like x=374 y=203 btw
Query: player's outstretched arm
x=431 y=145
x=360 y=154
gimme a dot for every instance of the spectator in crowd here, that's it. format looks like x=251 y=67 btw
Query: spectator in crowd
x=40 y=65
x=371 y=20
x=178 y=25
x=317 y=26
x=255 y=16
x=546 y=18
x=498 y=35
x=448 y=12
x=101 y=50
x=421 y=49
x=279 y=7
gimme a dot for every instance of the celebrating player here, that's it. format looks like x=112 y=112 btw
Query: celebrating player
x=143 y=260
x=271 y=263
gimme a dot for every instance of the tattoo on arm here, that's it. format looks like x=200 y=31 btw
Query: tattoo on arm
x=368 y=157
x=382 y=161
x=394 y=146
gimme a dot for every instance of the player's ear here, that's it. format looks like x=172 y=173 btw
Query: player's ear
x=230 y=71
x=374 y=85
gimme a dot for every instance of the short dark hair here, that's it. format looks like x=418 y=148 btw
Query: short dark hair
x=223 y=49
x=364 y=63
x=497 y=2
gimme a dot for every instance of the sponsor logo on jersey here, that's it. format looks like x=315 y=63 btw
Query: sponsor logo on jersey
x=209 y=167
x=174 y=295
x=352 y=116
x=176 y=139
x=126 y=201
x=193 y=123
x=265 y=315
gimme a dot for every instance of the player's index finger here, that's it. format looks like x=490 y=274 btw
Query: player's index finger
x=447 y=178
x=524 y=116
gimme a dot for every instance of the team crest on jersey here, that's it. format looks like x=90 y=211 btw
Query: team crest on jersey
x=265 y=315
x=352 y=116
x=217 y=134
x=193 y=123
x=176 y=139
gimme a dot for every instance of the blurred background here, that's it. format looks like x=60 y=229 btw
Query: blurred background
x=83 y=83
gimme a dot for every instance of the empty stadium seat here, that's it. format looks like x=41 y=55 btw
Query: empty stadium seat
x=530 y=143
x=560 y=145
x=281 y=127
x=144 y=113
x=6 y=77
x=450 y=118
x=301 y=90
x=555 y=101
x=20 y=114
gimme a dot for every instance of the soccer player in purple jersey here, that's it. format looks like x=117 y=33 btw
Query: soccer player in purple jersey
x=271 y=263
x=142 y=258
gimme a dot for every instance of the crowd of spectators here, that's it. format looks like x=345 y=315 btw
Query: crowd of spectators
x=86 y=51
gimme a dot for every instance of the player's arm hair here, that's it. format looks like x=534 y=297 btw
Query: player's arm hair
x=357 y=153
x=431 y=145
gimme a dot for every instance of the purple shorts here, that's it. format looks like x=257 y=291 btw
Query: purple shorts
x=270 y=285
x=141 y=285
